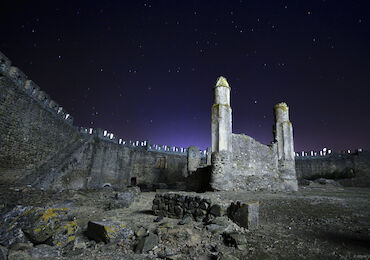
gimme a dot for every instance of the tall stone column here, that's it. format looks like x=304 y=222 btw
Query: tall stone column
x=221 y=178
x=285 y=146
x=221 y=117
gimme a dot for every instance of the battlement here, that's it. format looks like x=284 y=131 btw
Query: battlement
x=325 y=152
x=143 y=145
x=21 y=82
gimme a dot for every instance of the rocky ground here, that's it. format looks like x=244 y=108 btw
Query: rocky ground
x=321 y=221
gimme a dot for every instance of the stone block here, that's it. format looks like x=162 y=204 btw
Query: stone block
x=4 y=64
x=108 y=231
x=18 y=77
x=244 y=214
x=194 y=158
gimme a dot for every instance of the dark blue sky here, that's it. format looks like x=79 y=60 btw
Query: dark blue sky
x=146 y=69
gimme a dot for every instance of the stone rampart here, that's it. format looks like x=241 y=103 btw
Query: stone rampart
x=146 y=144
x=33 y=127
x=41 y=147
x=350 y=168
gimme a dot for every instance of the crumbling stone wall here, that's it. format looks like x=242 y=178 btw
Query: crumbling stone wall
x=202 y=208
x=98 y=163
x=250 y=166
x=347 y=169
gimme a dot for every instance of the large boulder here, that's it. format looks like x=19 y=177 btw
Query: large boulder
x=39 y=225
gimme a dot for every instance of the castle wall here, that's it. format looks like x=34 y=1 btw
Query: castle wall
x=41 y=147
x=117 y=164
x=349 y=169
x=100 y=163
x=31 y=129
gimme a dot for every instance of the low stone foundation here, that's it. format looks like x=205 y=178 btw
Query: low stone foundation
x=178 y=205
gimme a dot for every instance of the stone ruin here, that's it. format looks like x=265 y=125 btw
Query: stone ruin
x=69 y=157
x=241 y=163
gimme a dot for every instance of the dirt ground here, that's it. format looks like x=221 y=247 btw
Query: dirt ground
x=317 y=222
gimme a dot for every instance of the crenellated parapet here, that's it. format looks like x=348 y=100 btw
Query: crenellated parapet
x=21 y=82
x=325 y=152
x=141 y=145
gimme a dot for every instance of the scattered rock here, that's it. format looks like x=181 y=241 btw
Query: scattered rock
x=158 y=219
x=215 y=229
x=235 y=239
x=45 y=251
x=108 y=231
x=186 y=220
x=324 y=181
x=146 y=243
x=166 y=225
x=141 y=232
x=304 y=182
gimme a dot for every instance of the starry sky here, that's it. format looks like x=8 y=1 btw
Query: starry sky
x=146 y=69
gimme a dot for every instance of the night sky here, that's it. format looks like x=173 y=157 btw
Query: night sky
x=146 y=69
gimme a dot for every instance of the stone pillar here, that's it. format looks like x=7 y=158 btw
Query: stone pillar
x=284 y=132
x=221 y=117
x=285 y=147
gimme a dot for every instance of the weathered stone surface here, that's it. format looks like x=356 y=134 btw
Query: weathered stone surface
x=39 y=225
x=244 y=214
x=147 y=243
x=108 y=231
x=193 y=157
